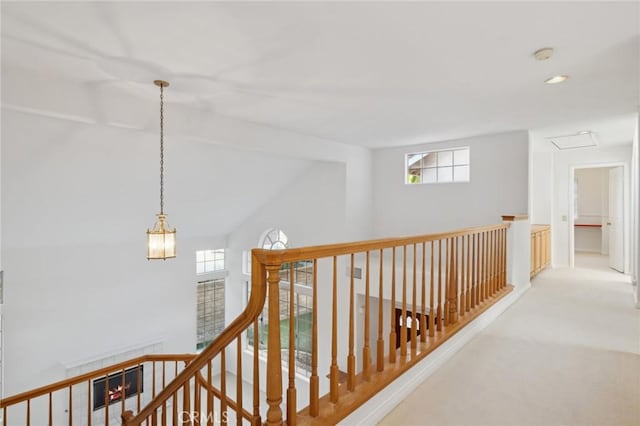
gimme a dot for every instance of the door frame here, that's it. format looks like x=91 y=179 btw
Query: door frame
x=625 y=209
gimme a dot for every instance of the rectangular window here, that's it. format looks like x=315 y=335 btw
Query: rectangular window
x=210 y=299
x=451 y=165
x=209 y=261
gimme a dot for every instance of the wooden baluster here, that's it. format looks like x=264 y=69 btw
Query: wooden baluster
x=414 y=306
x=494 y=251
x=239 y=390
x=51 y=408
x=504 y=257
x=492 y=266
x=439 y=316
x=366 y=350
x=423 y=318
x=106 y=401
x=274 y=363
x=496 y=262
x=380 y=342
x=71 y=405
x=333 y=371
x=291 y=390
x=210 y=407
x=256 y=419
x=485 y=239
x=432 y=320
x=139 y=378
x=314 y=380
x=223 y=386
x=480 y=266
x=478 y=269
x=403 y=328
x=489 y=264
x=474 y=264
x=174 y=406
x=89 y=409
x=196 y=402
x=153 y=380
x=163 y=374
x=123 y=396
x=186 y=404
x=469 y=282
x=4 y=416
x=28 y=412
x=453 y=282
x=154 y=418
x=500 y=259
x=447 y=265
x=351 y=358
x=392 y=318
x=463 y=276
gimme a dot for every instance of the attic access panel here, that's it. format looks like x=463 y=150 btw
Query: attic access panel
x=579 y=140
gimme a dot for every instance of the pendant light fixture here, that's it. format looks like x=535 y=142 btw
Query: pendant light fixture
x=161 y=240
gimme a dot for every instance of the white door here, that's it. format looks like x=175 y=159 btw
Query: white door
x=615 y=222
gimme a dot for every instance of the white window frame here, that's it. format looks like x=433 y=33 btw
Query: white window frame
x=437 y=168
x=211 y=257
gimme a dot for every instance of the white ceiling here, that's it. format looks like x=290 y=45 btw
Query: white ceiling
x=369 y=74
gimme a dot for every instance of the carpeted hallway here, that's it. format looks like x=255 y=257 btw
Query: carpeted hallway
x=567 y=353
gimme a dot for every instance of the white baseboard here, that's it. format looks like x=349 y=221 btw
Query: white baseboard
x=386 y=400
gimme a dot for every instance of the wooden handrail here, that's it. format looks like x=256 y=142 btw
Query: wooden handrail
x=277 y=257
x=64 y=384
x=241 y=323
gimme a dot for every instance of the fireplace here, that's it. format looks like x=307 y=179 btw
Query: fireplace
x=118 y=387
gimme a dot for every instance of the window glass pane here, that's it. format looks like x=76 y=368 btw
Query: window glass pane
x=445 y=174
x=413 y=160
x=199 y=268
x=429 y=175
x=445 y=158
x=461 y=157
x=413 y=176
x=461 y=173
x=200 y=256
x=219 y=265
x=429 y=159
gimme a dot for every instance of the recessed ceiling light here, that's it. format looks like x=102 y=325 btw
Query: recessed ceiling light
x=556 y=79
x=543 y=54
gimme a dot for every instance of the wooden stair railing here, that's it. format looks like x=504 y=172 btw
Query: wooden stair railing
x=428 y=288
x=51 y=399
x=438 y=282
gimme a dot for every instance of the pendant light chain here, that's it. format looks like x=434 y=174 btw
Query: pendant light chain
x=161 y=149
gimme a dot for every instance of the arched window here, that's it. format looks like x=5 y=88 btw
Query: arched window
x=274 y=239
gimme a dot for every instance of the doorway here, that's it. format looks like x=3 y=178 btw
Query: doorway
x=597 y=213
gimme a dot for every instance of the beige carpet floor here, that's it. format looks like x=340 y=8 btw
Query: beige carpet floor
x=567 y=353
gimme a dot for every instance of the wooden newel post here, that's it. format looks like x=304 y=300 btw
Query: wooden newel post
x=274 y=363
x=126 y=417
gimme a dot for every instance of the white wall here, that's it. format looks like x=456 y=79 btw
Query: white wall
x=563 y=162
x=499 y=185
x=76 y=202
x=541 y=184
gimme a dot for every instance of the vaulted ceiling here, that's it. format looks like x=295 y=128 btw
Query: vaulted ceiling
x=368 y=74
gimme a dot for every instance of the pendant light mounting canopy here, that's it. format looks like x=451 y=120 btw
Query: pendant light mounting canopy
x=161 y=83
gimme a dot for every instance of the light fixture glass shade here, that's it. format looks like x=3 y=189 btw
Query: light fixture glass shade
x=161 y=240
